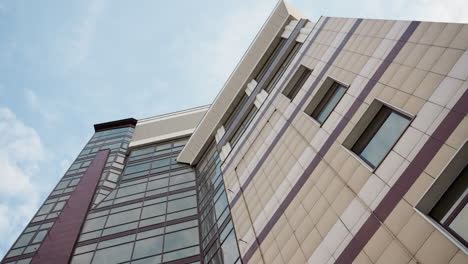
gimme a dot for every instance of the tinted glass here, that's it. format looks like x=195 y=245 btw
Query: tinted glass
x=113 y=254
x=333 y=100
x=181 y=239
x=148 y=247
x=384 y=138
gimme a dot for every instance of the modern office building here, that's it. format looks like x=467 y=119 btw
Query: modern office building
x=341 y=140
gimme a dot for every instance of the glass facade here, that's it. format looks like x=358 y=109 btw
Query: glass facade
x=117 y=141
x=150 y=217
x=147 y=207
x=217 y=234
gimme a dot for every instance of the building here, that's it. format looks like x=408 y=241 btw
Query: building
x=336 y=141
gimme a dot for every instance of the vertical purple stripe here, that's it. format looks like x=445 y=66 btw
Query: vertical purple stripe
x=59 y=242
x=271 y=70
x=339 y=128
x=260 y=116
x=283 y=129
x=406 y=180
x=303 y=178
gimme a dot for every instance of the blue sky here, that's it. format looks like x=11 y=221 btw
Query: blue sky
x=66 y=65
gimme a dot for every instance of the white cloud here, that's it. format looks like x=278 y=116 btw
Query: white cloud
x=21 y=152
x=216 y=59
x=86 y=31
x=446 y=11
x=425 y=10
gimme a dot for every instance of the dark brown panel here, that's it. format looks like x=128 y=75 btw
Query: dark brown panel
x=129 y=122
x=59 y=242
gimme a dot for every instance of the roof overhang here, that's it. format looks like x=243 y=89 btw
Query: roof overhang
x=281 y=15
x=128 y=122
x=167 y=127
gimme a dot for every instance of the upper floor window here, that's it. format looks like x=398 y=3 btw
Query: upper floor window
x=269 y=58
x=329 y=102
x=380 y=135
x=445 y=202
x=279 y=72
x=243 y=126
x=296 y=83
x=451 y=211
x=235 y=111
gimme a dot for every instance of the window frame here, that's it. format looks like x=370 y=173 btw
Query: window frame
x=298 y=80
x=369 y=135
x=362 y=124
x=436 y=191
x=325 y=101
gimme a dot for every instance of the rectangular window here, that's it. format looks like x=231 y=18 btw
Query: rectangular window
x=451 y=211
x=296 y=83
x=279 y=72
x=328 y=102
x=271 y=57
x=380 y=135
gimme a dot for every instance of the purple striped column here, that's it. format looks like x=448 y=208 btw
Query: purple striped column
x=60 y=241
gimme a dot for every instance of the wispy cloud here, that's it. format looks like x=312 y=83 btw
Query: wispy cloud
x=216 y=58
x=21 y=151
x=40 y=107
x=86 y=31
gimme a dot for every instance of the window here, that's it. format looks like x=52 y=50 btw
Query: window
x=148 y=247
x=236 y=111
x=269 y=60
x=297 y=81
x=279 y=72
x=243 y=126
x=380 y=135
x=451 y=211
x=445 y=202
x=328 y=102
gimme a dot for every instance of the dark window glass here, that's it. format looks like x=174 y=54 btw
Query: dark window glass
x=220 y=205
x=137 y=168
x=183 y=253
x=451 y=211
x=82 y=259
x=123 y=217
x=243 y=126
x=380 y=136
x=181 y=239
x=279 y=72
x=148 y=247
x=153 y=210
x=40 y=236
x=328 y=103
x=270 y=60
x=182 y=204
x=229 y=249
x=161 y=163
x=235 y=111
x=292 y=91
x=24 y=240
x=113 y=255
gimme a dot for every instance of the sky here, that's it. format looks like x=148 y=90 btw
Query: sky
x=66 y=65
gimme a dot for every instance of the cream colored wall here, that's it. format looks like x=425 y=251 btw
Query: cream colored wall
x=426 y=78
x=165 y=127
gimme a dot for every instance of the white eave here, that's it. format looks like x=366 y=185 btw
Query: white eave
x=236 y=82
